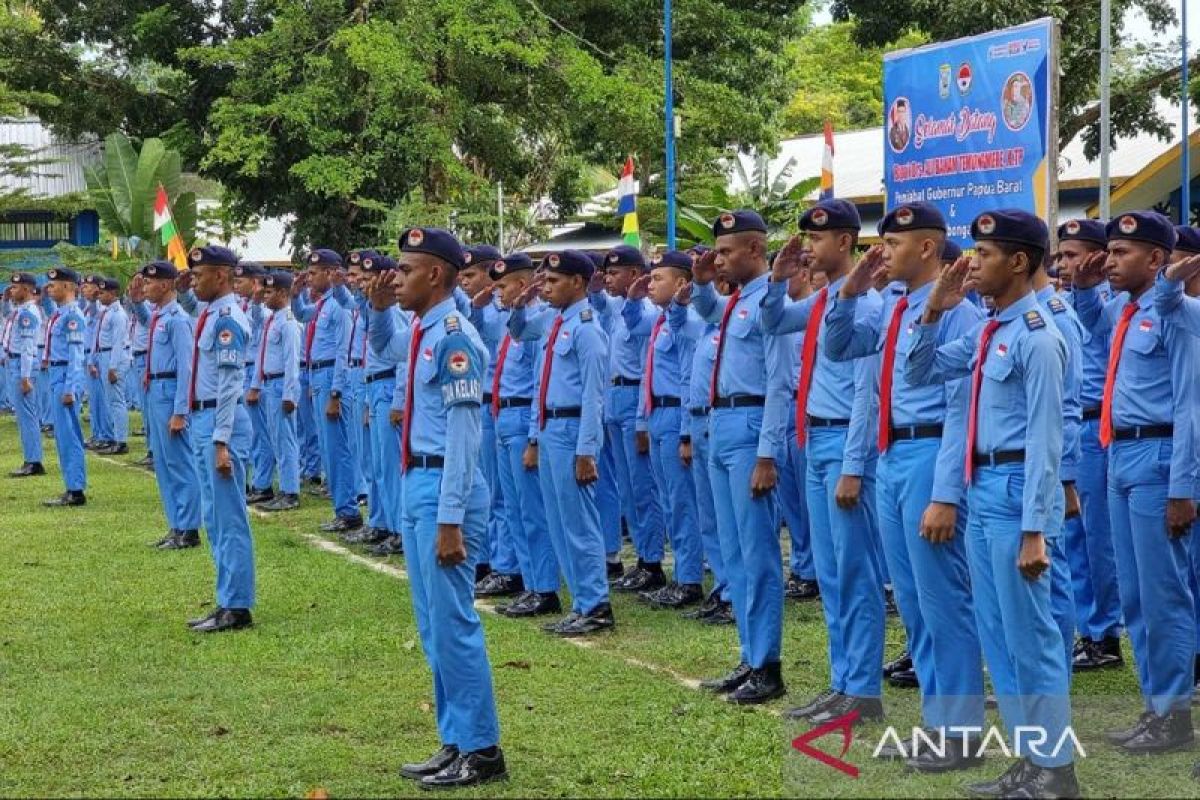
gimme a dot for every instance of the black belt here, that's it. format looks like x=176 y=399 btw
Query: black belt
x=1091 y=414
x=57 y=363
x=378 y=376
x=998 y=457
x=270 y=376
x=355 y=363
x=822 y=422
x=104 y=350
x=1165 y=431
x=248 y=364
x=162 y=376
x=567 y=412
x=320 y=364
x=904 y=433
x=665 y=402
x=515 y=402
x=621 y=380
x=699 y=411
x=487 y=398
x=14 y=355
x=138 y=353
x=202 y=405
x=740 y=401
x=422 y=461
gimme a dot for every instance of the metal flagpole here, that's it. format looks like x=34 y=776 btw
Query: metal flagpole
x=500 y=214
x=1185 y=162
x=669 y=123
x=1105 y=88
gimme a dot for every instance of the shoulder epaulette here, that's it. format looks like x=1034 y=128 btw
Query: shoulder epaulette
x=1057 y=305
x=452 y=324
x=585 y=315
x=226 y=311
x=1033 y=320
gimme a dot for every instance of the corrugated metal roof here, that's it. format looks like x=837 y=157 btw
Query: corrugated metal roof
x=65 y=176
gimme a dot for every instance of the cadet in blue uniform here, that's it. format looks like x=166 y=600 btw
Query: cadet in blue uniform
x=835 y=420
x=276 y=387
x=247 y=285
x=503 y=578
x=221 y=433
x=1148 y=422
x=750 y=394
x=64 y=362
x=166 y=375
x=626 y=453
x=326 y=343
x=1089 y=543
x=1013 y=435
x=20 y=347
x=568 y=439
x=89 y=307
x=660 y=412
x=446 y=509
x=512 y=392
x=920 y=491
x=108 y=364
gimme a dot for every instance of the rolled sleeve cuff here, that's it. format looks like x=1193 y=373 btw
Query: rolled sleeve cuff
x=450 y=514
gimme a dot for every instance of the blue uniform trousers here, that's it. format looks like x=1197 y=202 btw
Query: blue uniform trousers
x=749 y=531
x=525 y=513
x=45 y=402
x=793 y=478
x=133 y=384
x=1022 y=642
x=5 y=403
x=306 y=432
x=706 y=510
x=112 y=397
x=501 y=552
x=334 y=438
x=676 y=493
x=444 y=604
x=28 y=415
x=361 y=422
x=262 y=459
x=223 y=501
x=634 y=479
x=101 y=423
x=174 y=463
x=933 y=587
x=281 y=430
x=1153 y=568
x=385 y=456
x=356 y=436
x=1090 y=546
x=847 y=555
x=608 y=497
x=572 y=516
x=68 y=433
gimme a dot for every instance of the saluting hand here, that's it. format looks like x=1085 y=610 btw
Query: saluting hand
x=950 y=287
x=1180 y=516
x=1032 y=561
x=585 y=470
x=684 y=295
x=451 y=551
x=596 y=282
x=764 y=478
x=705 y=268
x=789 y=261
x=482 y=298
x=1184 y=270
x=862 y=276
x=639 y=288
x=184 y=281
x=1090 y=273
x=532 y=290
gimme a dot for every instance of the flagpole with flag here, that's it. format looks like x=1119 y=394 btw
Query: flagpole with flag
x=627 y=205
x=827 y=164
x=165 y=223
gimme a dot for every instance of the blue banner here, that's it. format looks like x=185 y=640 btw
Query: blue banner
x=968 y=125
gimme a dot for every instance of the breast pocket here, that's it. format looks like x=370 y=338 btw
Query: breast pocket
x=426 y=371
x=563 y=345
x=1145 y=357
x=997 y=391
x=664 y=342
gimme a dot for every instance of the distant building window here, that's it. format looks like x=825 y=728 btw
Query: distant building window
x=34 y=231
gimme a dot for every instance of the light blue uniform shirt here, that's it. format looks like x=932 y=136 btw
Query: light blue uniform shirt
x=172 y=352
x=1020 y=396
x=331 y=336
x=22 y=344
x=281 y=354
x=220 y=364
x=111 y=335
x=672 y=351
x=66 y=346
x=1072 y=332
x=578 y=374
x=491 y=322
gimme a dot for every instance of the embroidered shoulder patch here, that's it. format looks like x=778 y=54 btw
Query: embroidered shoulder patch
x=1057 y=305
x=226 y=311
x=585 y=315
x=1033 y=320
x=452 y=324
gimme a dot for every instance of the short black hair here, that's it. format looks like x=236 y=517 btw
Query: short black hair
x=1036 y=255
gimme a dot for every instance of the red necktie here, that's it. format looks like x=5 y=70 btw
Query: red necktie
x=149 y=349
x=99 y=326
x=414 y=350
x=885 y=376
x=311 y=333
x=262 y=348
x=650 y=363
x=985 y=341
x=500 y=359
x=547 y=364
x=196 y=356
x=716 y=373
x=49 y=338
x=808 y=361
x=1110 y=379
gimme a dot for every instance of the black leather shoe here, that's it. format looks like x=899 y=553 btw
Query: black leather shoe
x=148 y=461
x=904 y=679
x=482 y=570
x=634 y=573
x=182 y=541
x=139 y=432
x=373 y=536
x=1123 y=735
x=598 y=619
x=256 y=496
x=1092 y=655
x=727 y=683
x=1163 y=734
x=66 y=499
x=500 y=585
x=113 y=449
x=555 y=627
x=1040 y=782
x=226 y=619
x=469 y=769
x=798 y=588
x=339 y=524
x=28 y=470
x=432 y=765
x=763 y=685
x=282 y=502
x=391 y=546
x=649 y=578
x=674 y=595
x=814 y=706
x=192 y=623
x=898 y=664
x=707 y=607
x=870 y=709
x=537 y=604
x=1003 y=785
x=171 y=534
x=955 y=755
x=615 y=570
x=723 y=615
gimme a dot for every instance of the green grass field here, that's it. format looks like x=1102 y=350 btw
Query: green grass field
x=104 y=692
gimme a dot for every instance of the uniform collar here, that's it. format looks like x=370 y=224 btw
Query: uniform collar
x=1046 y=292
x=575 y=309
x=919 y=295
x=758 y=283
x=169 y=308
x=438 y=313
x=1027 y=303
x=225 y=301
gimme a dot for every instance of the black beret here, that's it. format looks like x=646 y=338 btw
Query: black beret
x=624 y=255
x=324 y=257
x=63 y=274
x=831 y=215
x=951 y=252
x=672 y=258
x=513 y=262
x=23 y=279
x=1083 y=230
x=160 y=269
x=435 y=242
x=109 y=284
x=378 y=263
x=1143 y=226
x=278 y=279
x=213 y=255
x=480 y=254
x=738 y=222
x=359 y=256
x=570 y=262
x=1011 y=225
x=912 y=217
x=1187 y=238
x=249 y=269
